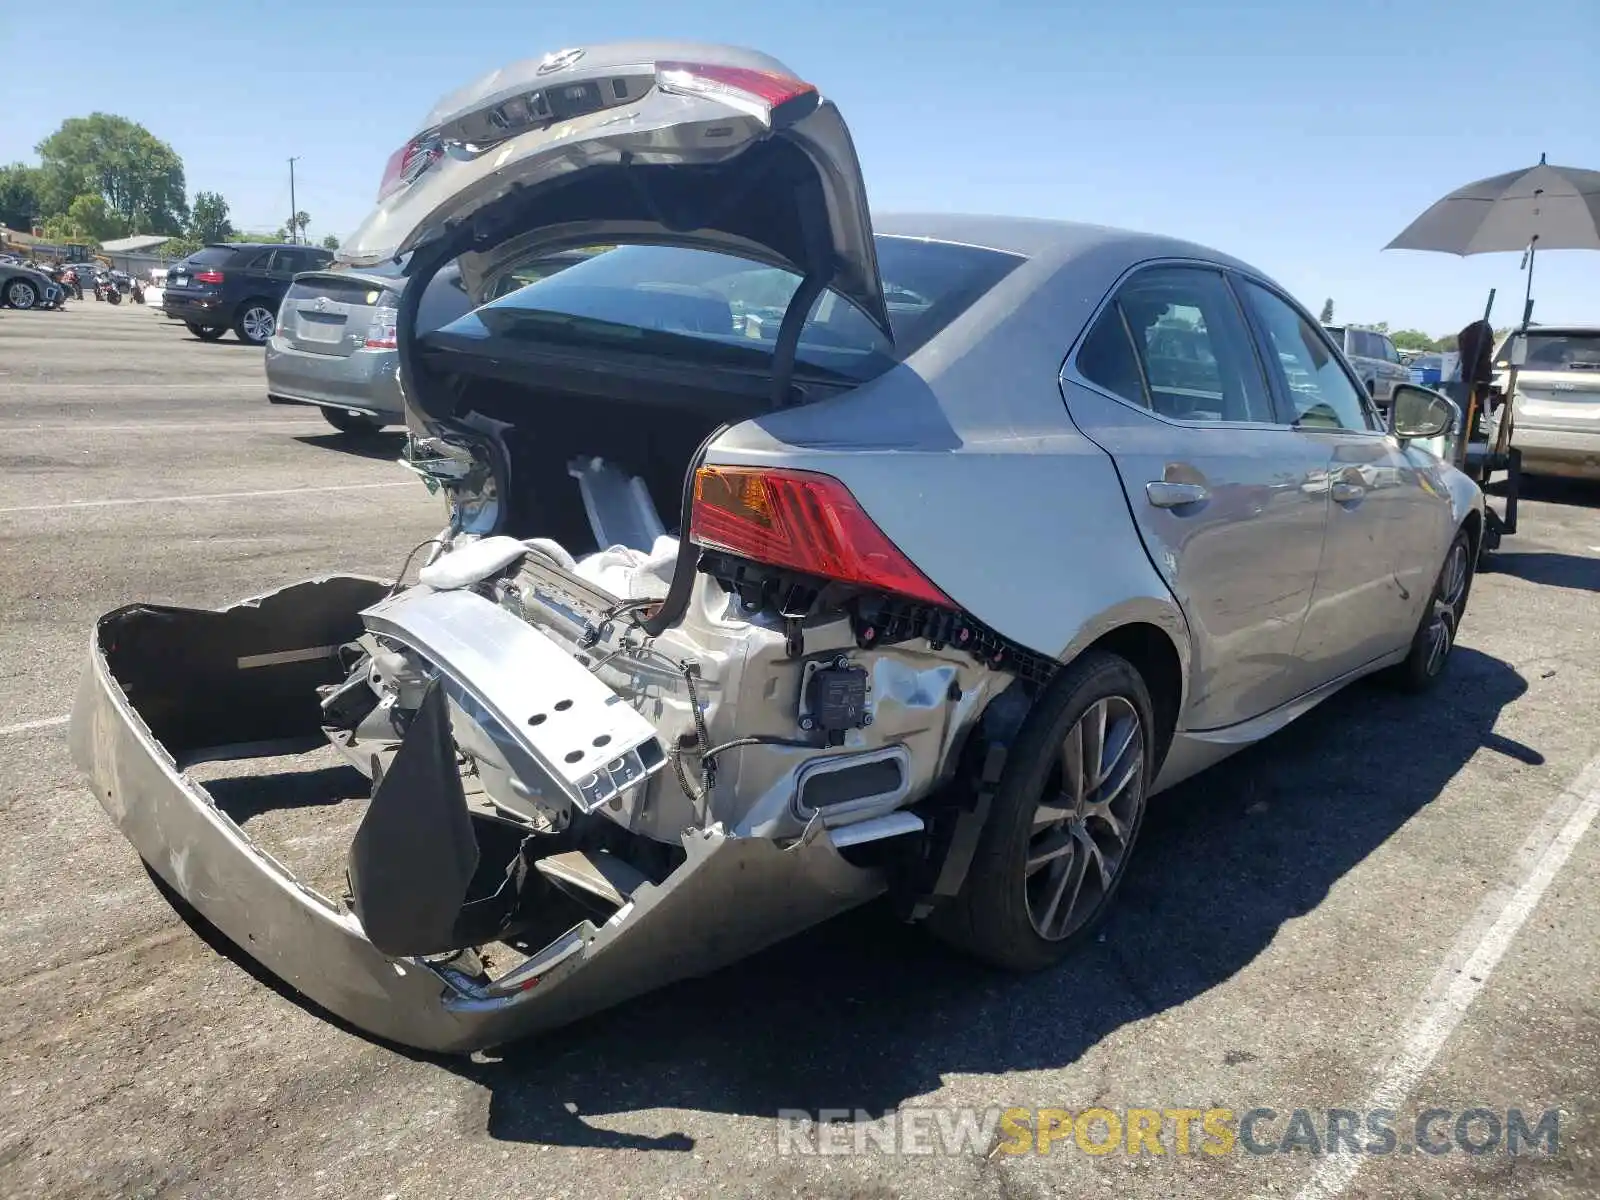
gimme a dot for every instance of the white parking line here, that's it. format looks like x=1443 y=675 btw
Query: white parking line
x=30 y=726
x=298 y=491
x=1465 y=972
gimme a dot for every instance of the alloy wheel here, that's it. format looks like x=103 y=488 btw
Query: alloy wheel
x=258 y=323
x=19 y=294
x=1447 y=607
x=1083 y=826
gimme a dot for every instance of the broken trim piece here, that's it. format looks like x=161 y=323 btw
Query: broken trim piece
x=590 y=744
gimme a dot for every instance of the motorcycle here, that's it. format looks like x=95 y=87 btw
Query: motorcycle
x=137 y=292
x=73 y=283
x=106 y=288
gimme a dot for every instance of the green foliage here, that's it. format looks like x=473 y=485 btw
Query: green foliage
x=137 y=176
x=20 y=196
x=1412 y=339
x=180 y=247
x=208 y=218
x=330 y=242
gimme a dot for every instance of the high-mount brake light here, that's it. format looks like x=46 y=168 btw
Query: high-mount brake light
x=406 y=164
x=759 y=93
x=805 y=521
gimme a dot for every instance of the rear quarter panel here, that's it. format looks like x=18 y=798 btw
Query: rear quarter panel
x=966 y=458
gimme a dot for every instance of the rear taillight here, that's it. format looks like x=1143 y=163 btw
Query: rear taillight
x=408 y=163
x=805 y=521
x=759 y=93
x=208 y=276
x=380 y=334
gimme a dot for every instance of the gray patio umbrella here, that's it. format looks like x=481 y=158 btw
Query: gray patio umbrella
x=1542 y=207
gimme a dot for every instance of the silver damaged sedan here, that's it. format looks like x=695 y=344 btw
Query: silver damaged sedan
x=793 y=557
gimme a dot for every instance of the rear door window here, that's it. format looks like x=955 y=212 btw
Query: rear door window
x=1173 y=341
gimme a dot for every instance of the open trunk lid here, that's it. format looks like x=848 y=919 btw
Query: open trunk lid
x=713 y=147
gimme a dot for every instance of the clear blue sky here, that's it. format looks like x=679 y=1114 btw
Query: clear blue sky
x=1298 y=136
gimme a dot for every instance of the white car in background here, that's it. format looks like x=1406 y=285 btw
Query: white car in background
x=156 y=289
x=1556 y=409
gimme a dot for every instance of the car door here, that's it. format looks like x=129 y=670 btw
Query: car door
x=1229 y=499
x=1386 y=502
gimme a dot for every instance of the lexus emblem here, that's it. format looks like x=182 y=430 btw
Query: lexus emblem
x=322 y=304
x=559 y=61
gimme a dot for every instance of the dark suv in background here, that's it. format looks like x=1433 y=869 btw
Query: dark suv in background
x=237 y=286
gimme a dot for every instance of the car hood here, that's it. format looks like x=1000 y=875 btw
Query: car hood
x=715 y=147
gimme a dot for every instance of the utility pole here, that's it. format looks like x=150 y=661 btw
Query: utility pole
x=294 y=230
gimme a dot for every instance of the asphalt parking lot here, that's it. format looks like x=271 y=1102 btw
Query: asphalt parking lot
x=1393 y=905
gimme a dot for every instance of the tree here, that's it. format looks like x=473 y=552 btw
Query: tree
x=1412 y=339
x=330 y=242
x=138 y=176
x=1327 y=311
x=208 y=218
x=20 y=199
x=86 y=220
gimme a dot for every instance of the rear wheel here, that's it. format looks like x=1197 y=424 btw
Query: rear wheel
x=1436 y=635
x=346 y=421
x=255 y=323
x=21 y=294
x=1065 y=817
x=206 y=333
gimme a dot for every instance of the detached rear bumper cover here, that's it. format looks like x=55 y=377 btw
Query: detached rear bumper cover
x=247 y=666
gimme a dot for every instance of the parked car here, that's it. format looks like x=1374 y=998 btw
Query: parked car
x=23 y=286
x=237 y=286
x=1374 y=357
x=334 y=342
x=940 y=614
x=1556 y=410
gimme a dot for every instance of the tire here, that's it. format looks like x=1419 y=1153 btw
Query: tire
x=1010 y=916
x=20 y=293
x=255 y=322
x=346 y=421
x=206 y=333
x=1441 y=620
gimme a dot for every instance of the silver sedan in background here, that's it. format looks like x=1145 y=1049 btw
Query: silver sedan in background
x=924 y=587
x=334 y=343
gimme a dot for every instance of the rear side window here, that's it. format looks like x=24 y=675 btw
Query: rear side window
x=1173 y=341
x=696 y=305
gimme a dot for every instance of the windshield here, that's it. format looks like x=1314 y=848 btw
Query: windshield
x=697 y=305
x=1561 y=352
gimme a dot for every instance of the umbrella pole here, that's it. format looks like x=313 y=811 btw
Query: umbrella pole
x=1527 y=296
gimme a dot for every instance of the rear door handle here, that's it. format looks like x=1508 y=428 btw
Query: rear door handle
x=1163 y=494
x=1348 y=493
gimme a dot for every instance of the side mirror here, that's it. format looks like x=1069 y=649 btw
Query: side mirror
x=1419 y=413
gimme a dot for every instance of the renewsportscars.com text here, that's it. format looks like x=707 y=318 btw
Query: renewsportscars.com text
x=1169 y=1131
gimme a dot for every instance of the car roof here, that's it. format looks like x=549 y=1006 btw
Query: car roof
x=1044 y=238
x=262 y=246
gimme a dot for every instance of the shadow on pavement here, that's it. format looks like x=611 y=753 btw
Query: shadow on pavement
x=385 y=445
x=1551 y=568
x=865 y=1013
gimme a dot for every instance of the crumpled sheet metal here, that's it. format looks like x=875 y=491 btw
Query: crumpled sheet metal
x=731 y=897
